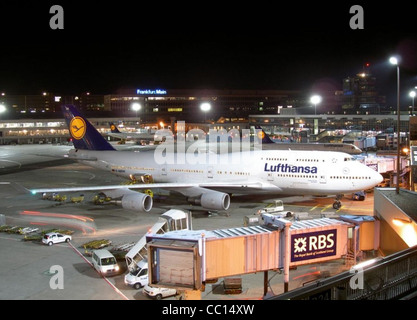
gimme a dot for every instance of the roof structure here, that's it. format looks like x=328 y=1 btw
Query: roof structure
x=406 y=200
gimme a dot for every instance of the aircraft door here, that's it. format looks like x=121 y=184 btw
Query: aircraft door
x=210 y=172
x=270 y=176
x=164 y=170
x=323 y=179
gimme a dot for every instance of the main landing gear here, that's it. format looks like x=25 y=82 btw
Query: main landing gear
x=337 y=204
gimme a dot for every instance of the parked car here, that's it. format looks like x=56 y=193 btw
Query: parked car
x=55 y=237
x=159 y=293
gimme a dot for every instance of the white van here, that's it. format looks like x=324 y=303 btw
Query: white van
x=138 y=278
x=105 y=263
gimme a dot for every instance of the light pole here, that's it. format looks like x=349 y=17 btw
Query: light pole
x=394 y=61
x=316 y=99
x=205 y=107
x=136 y=107
x=2 y=108
x=412 y=95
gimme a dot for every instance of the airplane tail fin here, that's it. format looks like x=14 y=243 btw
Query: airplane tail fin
x=262 y=135
x=83 y=133
x=113 y=128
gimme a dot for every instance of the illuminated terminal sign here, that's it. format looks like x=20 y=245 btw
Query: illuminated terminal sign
x=151 y=92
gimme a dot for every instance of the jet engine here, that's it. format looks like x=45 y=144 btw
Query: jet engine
x=138 y=201
x=131 y=200
x=212 y=200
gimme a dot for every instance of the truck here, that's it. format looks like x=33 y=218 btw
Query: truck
x=138 y=278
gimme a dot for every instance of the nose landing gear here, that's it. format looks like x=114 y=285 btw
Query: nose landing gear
x=337 y=204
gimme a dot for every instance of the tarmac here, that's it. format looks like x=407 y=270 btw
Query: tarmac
x=27 y=267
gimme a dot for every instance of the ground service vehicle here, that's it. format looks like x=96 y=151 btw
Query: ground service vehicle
x=138 y=278
x=359 y=195
x=105 y=263
x=277 y=206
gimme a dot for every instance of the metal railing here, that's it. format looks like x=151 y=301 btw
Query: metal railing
x=391 y=277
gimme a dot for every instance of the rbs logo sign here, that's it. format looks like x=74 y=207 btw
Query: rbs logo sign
x=312 y=245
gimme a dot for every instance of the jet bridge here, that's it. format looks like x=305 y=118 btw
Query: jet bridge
x=186 y=259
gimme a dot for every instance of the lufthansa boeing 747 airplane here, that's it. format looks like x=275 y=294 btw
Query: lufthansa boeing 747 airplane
x=209 y=179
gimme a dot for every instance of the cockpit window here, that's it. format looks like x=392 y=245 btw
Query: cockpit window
x=348 y=159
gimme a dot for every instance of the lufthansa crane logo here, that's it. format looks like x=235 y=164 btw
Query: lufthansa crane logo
x=113 y=127
x=261 y=135
x=77 y=128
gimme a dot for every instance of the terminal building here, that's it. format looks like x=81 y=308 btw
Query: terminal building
x=205 y=106
x=360 y=93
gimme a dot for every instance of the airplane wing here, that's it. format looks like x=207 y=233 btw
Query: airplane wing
x=188 y=189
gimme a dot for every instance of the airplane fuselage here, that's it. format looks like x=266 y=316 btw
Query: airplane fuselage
x=276 y=171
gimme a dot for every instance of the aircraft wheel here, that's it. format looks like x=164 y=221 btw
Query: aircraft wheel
x=337 y=205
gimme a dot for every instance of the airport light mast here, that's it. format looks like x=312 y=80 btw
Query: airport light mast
x=394 y=61
x=136 y=107
x=412 y=95
x=205 y=107
x=315 y=100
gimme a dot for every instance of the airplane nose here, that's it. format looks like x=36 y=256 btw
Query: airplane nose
x=377 y=178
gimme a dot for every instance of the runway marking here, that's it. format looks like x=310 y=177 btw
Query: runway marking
x=326 y=207
x=91 y=265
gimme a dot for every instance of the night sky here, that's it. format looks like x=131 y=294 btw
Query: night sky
x=207 y=44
